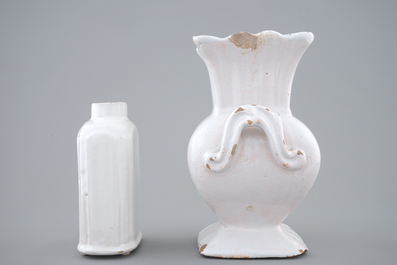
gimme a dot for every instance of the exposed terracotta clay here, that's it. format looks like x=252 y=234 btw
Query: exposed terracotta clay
x=303 y=251
x=240 y=257
x=202 y=248
x=299 y=153
x=234 y=149
x=244 y=40
x=239 y=109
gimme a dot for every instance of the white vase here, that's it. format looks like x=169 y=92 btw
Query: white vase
x=108 y=167
x=251 y=160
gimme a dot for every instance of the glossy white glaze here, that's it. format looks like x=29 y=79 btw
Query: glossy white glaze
x=251 y=160
x=108 y=167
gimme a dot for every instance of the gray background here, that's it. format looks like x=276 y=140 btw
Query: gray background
x=56 y=58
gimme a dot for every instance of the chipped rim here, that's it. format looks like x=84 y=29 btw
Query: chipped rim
x=308 y=36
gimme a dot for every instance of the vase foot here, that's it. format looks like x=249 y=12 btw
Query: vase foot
x=280 y=241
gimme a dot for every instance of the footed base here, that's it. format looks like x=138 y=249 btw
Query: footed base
x=270 y=242
x=120 y=250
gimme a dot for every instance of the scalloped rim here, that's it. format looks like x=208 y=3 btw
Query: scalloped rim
x=306 y=35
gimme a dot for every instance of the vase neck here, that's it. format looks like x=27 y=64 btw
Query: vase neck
x=109 y=109
x=252 y=69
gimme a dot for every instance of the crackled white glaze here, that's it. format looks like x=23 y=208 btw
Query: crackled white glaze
x=108 y=167
x=251 y=160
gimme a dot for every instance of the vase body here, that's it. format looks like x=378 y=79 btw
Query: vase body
x=251 y=160
x=108 y=170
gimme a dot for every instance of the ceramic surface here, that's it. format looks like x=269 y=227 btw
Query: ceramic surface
x=108 y=167
x=251 y=160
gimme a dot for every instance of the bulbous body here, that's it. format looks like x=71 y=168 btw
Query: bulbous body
x=108 y=166
x=251 y=160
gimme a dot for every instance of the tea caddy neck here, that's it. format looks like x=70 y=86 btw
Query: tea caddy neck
x=109 y=110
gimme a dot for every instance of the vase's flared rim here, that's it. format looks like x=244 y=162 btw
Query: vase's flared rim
x=248 y=40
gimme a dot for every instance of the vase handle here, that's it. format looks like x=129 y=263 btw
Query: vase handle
x=261 y=117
